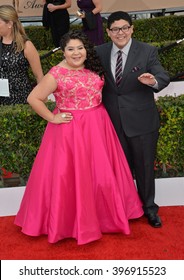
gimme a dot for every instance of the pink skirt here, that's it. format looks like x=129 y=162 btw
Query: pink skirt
x=80 y=185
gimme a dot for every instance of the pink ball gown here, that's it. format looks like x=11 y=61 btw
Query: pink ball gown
x=80 y=185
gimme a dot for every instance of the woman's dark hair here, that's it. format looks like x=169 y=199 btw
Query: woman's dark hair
x=117 y=16
x=92 y=61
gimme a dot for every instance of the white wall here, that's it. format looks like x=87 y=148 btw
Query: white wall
x=173 y=89
x=169 y=192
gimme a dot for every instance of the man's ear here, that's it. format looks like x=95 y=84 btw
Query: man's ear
x=107 y=30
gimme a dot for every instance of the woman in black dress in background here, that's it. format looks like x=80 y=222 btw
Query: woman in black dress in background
x=58 y=19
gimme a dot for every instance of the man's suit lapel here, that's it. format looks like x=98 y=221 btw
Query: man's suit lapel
x=107 y=61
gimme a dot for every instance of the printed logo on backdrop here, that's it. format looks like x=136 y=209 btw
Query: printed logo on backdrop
x=34 y=8
x=34 y=4
x=26 y=8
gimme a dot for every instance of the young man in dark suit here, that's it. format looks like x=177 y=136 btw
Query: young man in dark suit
x=131 y=105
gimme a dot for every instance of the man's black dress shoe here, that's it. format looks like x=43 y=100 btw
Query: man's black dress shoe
x=154 y=220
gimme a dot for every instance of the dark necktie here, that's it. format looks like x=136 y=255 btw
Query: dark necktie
x=118 y=71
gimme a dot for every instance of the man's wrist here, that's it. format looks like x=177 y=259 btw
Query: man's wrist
x=154 y=83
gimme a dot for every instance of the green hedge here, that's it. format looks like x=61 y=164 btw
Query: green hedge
x=40 y=36
x=159 y=29
x=22 y=130
x=170 y=150
x=173 y=60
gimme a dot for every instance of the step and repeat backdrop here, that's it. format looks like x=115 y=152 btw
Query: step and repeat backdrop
x=33 y=8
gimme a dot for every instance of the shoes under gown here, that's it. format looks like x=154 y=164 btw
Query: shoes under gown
x=80 y=185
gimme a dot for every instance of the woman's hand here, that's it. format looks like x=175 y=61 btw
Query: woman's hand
x=64 y=117
x=51 y=7
x=80 y=14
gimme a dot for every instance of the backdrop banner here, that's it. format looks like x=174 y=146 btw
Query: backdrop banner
x=34 y=8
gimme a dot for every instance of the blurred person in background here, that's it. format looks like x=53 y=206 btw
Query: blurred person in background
x=56 y=17
x=17 y=55
x=16 y=6
x=91 y=19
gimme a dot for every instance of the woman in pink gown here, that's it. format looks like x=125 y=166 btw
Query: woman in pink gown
x=80 y=185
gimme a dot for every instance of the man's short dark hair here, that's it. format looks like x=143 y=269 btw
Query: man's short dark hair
x=117 y=16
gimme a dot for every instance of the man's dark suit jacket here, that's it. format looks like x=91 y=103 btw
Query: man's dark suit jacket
x=132 y=105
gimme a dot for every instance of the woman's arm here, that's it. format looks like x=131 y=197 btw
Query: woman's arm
x=66 y=5
x=98 y=6
x=37 y=101
x=96 y=10
x=33 y=58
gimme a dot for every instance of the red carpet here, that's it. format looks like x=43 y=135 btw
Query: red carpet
x=144 y=242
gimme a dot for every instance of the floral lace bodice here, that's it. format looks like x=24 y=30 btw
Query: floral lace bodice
x=76 y=89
